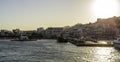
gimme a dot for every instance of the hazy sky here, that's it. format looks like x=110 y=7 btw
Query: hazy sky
x=31 y=14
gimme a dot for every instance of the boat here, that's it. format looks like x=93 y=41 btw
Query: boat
x=116 y=42
x=62 y=40
x=23 y=38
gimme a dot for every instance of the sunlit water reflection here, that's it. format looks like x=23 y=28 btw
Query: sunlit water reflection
x=51 y=51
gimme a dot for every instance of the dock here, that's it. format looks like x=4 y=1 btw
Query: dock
x=95 y=43
x=92 y=43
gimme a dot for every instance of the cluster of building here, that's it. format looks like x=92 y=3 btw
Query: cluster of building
x=101 y=29
x=51 y=32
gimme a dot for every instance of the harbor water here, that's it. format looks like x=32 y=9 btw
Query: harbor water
x=51 y=51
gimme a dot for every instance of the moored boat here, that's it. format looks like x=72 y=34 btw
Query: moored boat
x=23 y=38
x=62 y=40
x=117 y=42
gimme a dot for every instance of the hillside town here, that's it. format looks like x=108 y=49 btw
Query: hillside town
x=105 y=29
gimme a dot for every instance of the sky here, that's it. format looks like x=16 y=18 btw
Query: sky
x=32 y=14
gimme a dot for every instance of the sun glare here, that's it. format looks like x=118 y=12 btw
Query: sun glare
x=105 y=8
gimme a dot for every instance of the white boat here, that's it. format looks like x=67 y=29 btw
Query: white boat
x=117 y=42
x=23 y=38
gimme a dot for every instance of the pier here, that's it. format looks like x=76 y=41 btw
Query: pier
x=81 y=42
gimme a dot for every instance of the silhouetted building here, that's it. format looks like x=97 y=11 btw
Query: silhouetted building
x=5 y=33
x=106 y=27
x=40 y=30
x=16 y=32
x=53 y=32
x=29 y=32
x=74 y=31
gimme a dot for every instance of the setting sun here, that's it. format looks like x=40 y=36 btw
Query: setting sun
x=105 y=8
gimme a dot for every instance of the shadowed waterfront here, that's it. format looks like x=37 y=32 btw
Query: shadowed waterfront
x=51 y=51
